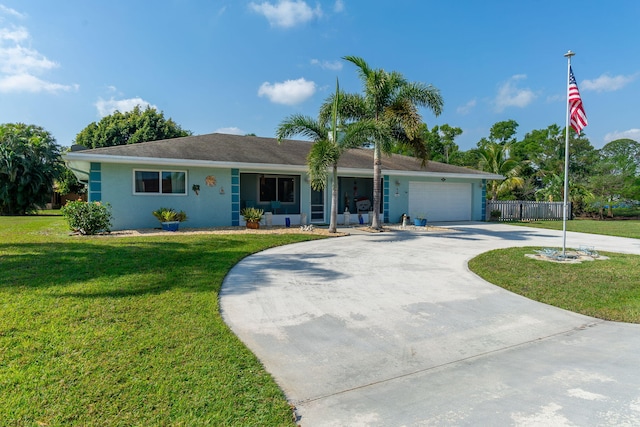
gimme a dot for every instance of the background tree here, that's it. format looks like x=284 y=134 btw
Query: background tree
x=624 y=154
x=494 y=158
x=615 y=174
x=29 y=164
x=390 y=103
x=67 y=183
x=501 y=133
x=129 y=128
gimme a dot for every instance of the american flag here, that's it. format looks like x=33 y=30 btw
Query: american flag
x=576 y=111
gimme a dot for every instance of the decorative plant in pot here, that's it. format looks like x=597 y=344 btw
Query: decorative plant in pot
x=252 y=216
x=169 y=218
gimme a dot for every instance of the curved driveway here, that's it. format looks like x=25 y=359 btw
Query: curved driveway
x=393 y=329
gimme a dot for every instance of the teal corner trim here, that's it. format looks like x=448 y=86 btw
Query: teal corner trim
x=235 y=197
x=484 y=200
x=95 y=182
x=385 y=198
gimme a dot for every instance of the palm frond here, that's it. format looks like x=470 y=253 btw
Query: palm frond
x=298 y=124
x=323 y=154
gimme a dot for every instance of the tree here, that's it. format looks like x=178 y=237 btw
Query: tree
x=625 y=155
x=129 y=128
x=29 y=164
x=494 y=158
x=615 y=173
x=439 y=142
x=390 y=106
x=330 y=141
x=502 y=133
x=447 y=136
x=67 y=182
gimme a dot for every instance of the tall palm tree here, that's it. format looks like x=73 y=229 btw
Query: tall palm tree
x=494 y=158
x=388 y=107
x=330 y=141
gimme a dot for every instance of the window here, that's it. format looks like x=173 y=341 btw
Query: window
x=277 y=188
x=159 y=182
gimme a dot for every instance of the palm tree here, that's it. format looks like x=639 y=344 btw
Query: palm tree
x=388 y=108
x=329 y=144
x=494 y=158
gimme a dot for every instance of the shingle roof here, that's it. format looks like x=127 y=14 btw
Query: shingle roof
x=217 y=147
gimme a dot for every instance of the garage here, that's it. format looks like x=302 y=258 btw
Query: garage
x=440 y=201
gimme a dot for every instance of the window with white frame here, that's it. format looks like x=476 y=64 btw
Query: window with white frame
x=159 y=182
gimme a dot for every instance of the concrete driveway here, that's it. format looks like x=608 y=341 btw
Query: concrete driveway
x=392 y=329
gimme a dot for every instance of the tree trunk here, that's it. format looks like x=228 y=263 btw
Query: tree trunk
x=333 y=228
x=377 y=175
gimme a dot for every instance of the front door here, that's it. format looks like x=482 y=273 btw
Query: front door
x=317 y=206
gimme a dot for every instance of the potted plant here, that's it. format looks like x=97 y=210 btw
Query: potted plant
x=169 y=218
x=420 y=220
x=252 y=216
x=495 y=215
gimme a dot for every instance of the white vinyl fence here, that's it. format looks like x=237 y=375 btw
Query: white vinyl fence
x=519 y=210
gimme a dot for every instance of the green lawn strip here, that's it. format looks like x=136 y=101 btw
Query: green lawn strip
x=606 y=289
x=126 y=331
x=622 y=228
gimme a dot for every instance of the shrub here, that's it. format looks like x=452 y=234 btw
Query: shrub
x=88 y=217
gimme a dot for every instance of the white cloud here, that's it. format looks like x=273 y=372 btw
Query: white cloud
x=630 y=134
x=9 y=11
x=606 y=83
x=466 y=108
x=290 y=92
x=230 y=130
x=327 y=65
x=338 y=6
x=20 y=60
x=29 y=83
x=106 y=107
x=286 y=13
x=21 y=66
x=15 y=34
x=509 y=95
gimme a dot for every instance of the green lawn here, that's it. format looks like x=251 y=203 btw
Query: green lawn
x=607 y=289
x=622 y=228
x=98 y=331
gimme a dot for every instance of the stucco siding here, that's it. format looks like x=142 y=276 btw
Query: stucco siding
x=211 y=207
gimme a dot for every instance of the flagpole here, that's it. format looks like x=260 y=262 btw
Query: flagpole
x=568 y=55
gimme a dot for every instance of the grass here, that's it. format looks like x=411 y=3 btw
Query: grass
x=623 y=228
x=102 y=331
x=606 y=289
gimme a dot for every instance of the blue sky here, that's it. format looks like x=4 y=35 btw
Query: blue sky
x=243 y=66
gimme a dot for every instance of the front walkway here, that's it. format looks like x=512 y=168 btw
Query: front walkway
x=393 y=329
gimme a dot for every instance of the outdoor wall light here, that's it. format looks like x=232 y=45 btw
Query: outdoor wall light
x=196 y=189
x=221 y=190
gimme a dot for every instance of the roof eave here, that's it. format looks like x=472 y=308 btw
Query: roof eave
x=158 y=161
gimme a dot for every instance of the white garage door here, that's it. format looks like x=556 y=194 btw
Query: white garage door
x=441 y=201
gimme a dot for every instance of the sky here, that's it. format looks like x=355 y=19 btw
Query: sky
x=244 y=66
